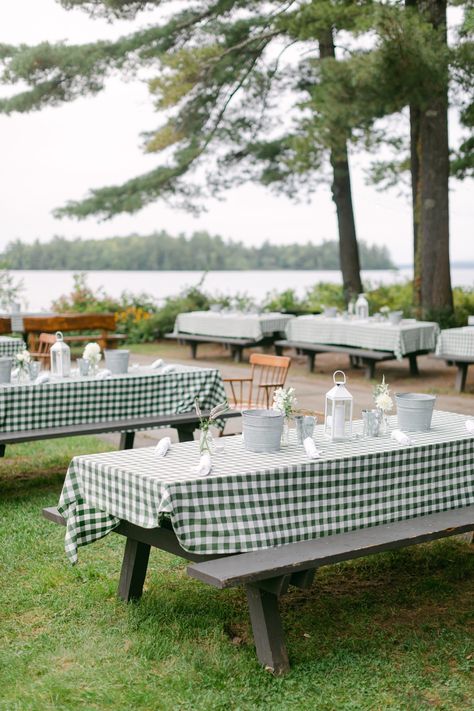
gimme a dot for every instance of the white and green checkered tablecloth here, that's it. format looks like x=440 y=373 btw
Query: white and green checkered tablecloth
x=402 y=339
x=9 y=346
x=252 y=501
x=456 y=341
x=141 y=393
x=231 y=325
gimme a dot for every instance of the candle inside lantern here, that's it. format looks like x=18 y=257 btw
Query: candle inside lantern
x=338 y=420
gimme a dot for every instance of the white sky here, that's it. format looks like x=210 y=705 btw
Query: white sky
x=59 y=153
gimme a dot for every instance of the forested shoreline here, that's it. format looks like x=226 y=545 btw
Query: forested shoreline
x=200 y=251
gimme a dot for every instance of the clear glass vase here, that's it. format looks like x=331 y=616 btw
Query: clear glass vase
x=23 y=375
x=383 y=422
x=285 y=434
x=206 y=442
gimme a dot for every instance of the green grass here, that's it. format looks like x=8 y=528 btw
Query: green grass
x=393 y=631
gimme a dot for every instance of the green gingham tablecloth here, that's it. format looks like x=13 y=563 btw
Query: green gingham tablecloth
x=401 y=339
x=456 y=341
x=252 y=501
x=231 y=325
x=140 y=393
x=10 y=346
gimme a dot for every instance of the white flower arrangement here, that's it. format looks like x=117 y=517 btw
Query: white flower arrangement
x=382 y=398
x=23 y=359
x=285 y=401
x=385 y=310
x=92 y=353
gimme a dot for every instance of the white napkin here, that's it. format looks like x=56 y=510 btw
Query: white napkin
x=162 y=447
x=204 y=467
x=103 y=374
x=157 y=363
x=401 y=437
x=168 y=369
x=43 y=378
x=310 y=448
x=470 y=426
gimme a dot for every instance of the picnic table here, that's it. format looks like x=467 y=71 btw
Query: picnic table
x=269 y=520
x=144 y=398
x=370 y=340
x=235 y=330
x=456 y=345
x=9 y=346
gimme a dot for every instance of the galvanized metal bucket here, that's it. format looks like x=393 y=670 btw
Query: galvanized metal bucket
x=414 y=411
x=262 y=430
x=395 y=317
x=117 y=361
x=5 y=369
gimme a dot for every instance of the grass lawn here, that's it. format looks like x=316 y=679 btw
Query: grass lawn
x=393 y=631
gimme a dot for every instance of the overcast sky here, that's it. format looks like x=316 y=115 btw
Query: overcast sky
x=59 y=153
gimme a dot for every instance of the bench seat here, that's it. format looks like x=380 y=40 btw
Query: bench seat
x=235 y=345
x=462 y=363
x=267 y=573
x=369 y=358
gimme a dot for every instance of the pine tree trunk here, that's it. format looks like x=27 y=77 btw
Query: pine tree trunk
x=342 y=197
x=431 y=209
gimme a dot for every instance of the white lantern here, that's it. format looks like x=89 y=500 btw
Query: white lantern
x=60 y=355
x=362 y=307
x=338 y=412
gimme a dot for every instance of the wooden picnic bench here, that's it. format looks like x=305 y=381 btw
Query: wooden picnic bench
x=234 y=345
x=462 y=363
x=368 y=358
x=185 y=424
x=102 y=322
x=267 y=573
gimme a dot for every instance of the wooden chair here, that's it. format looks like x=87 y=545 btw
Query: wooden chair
x=256 y=391
x=44 y=343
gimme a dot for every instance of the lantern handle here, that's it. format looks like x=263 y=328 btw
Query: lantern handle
x=59 y=336
x=339 y=382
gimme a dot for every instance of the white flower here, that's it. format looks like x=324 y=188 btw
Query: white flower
x=284 y=400
x=92 y=352
x=384 y=402
x=23 y=358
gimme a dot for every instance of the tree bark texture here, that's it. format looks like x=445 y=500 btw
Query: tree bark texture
x=342 y=197
x=430 y=170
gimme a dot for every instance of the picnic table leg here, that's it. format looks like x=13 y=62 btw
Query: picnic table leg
x=134 y=567
x=369 y=368
x=461 y=376
x=311 y=357
x=185 y=433
x=237 y=354
x=413 y=364
x=278 y=350
x=194 y=346
x=267 y=630
x=2 y=450
x=126 y=440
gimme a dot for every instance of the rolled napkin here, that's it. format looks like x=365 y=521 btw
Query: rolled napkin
x=162 y=447
x=103 y=374
x=401 y=437
x=310 y=448
x=470 y=426
x=157 y=363
x=168 y=369
x=43 y=378
x=205 y=465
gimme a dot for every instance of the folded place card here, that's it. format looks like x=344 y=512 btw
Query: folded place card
x=470 y=426
x=168 y=369
x=103 y=374
x=310 y=448
x=205 y=465
x=158 y=363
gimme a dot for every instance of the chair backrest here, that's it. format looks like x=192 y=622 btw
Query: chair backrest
x=44 y=343
x=268 y=374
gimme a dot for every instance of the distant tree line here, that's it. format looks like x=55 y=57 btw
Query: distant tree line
x=201 y=251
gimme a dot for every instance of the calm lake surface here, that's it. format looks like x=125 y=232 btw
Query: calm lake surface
x=41 y=288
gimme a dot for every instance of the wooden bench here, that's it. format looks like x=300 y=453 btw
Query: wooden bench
x=184 y=423
x=267 y=574
x=234 y=345
x=368 y=358
x=462 y=363
x=102 y=322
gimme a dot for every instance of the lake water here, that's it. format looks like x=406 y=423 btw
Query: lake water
x=43 y=287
